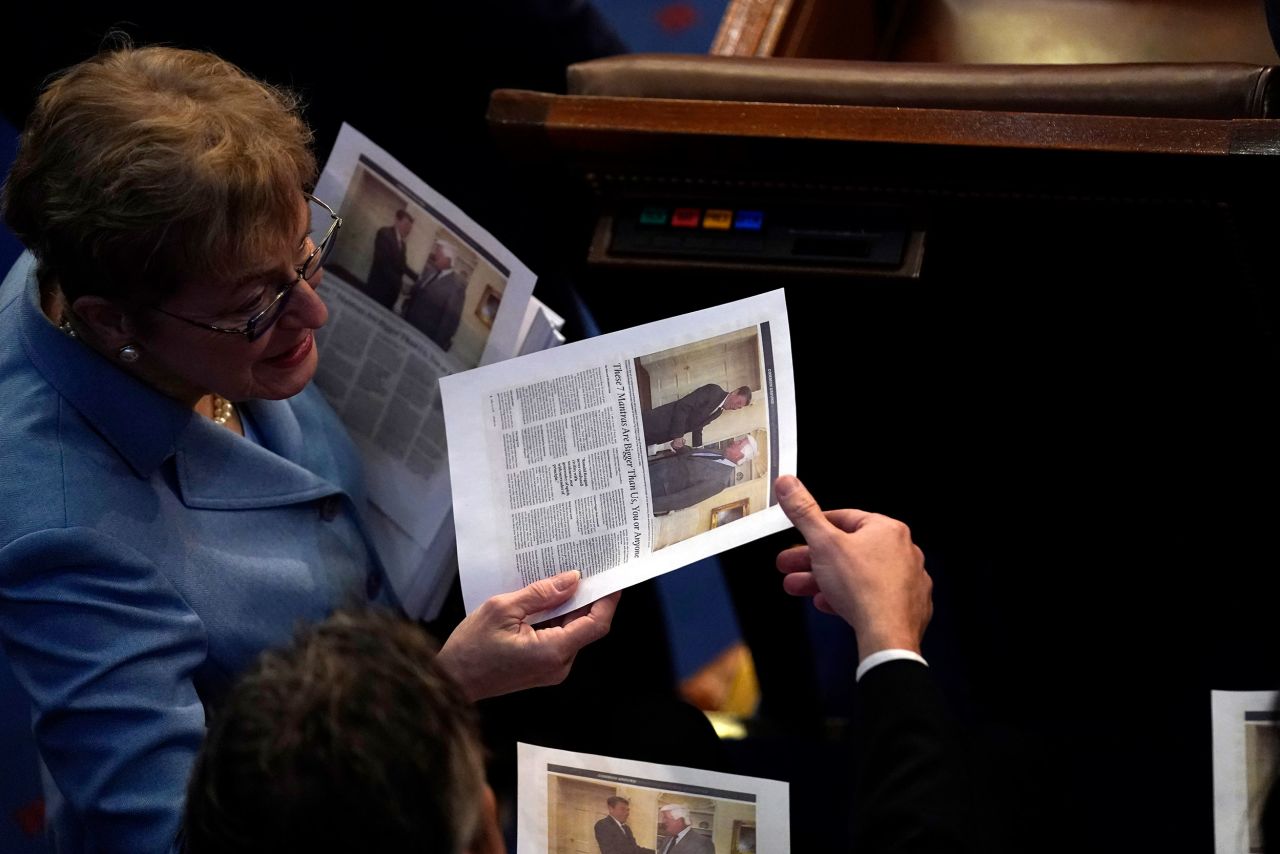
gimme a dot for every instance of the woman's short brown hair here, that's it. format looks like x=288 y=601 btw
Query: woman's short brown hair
x=142 y=168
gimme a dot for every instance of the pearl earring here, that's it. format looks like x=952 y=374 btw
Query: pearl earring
x=128 y=353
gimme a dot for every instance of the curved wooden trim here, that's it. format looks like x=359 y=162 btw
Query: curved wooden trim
x=750 y=27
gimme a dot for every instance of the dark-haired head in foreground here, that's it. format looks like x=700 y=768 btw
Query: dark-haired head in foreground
x=351 y=739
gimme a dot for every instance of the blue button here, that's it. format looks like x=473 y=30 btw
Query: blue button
x=748 y=220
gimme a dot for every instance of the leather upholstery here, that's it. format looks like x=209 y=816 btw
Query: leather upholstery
x=1219 y=90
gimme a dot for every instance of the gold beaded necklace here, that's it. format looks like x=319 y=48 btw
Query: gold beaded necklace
x=222 y=408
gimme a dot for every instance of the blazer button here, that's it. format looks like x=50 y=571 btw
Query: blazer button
x=330 y=508
x=373 y=584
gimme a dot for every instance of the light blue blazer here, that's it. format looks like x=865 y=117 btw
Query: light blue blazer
x=146 y=556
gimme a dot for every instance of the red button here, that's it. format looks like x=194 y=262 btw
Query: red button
x=686 y=217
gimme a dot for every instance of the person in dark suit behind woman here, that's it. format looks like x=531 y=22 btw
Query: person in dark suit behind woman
x=912 y=792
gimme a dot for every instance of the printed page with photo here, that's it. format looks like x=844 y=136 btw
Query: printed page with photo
x=623 y=456
x=1246 y=762
x=416 y=291
x=573 y=802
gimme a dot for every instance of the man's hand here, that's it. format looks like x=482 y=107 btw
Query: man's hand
x=677 y=442
x=496 y=651
x=860 y=566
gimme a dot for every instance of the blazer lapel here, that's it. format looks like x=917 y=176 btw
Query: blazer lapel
x=278 y=428
x=221 y=471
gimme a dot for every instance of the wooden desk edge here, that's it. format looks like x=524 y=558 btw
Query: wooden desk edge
x=571 y=121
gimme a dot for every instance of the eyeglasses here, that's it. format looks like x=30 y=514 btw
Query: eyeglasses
x=261 y=321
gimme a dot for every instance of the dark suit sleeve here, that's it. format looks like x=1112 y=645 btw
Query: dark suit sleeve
x=689 y=415
x=385 y=250
x=610 y=839
x=452 y=314
x=388 y=255
x=913 y=790
x=695 y=492
x=691 y=495
x=602 y=837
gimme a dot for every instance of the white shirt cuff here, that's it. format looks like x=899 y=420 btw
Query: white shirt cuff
x=886 y=655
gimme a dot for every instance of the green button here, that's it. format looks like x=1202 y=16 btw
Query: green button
x=653 y=216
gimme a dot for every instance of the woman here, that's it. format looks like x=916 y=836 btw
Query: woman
x=176 y=495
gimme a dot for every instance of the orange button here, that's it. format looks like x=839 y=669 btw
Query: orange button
x=718 y=219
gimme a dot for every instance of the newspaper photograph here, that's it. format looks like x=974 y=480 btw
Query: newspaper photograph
x=574 y=802
x=624 y=456
x=416 y=291
x=1246 y=758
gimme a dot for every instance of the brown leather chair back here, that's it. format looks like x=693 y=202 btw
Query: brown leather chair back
x=1218 y=90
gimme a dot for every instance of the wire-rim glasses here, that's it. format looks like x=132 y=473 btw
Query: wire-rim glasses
x=260 y=322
